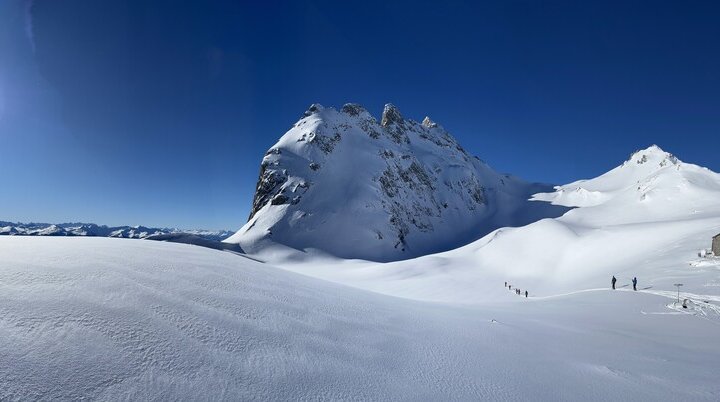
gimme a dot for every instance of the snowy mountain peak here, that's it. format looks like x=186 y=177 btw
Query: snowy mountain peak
x=653 y=156
x=354 y=109
x=427 y=123
x=341 y=182
x=651 y=185
x=314 y=108
x=391 y=114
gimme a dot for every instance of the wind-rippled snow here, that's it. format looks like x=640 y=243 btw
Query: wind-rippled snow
x=129 y=319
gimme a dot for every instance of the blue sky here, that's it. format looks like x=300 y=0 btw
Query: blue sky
x=158 y=113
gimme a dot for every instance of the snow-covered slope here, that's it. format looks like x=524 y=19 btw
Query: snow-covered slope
x=646 y=218
x=343 y=183
x=102 y=318
x=653 y=185
x=114 y=319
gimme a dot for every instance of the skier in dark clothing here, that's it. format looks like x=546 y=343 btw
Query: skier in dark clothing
x=505 y=283
x=613 y=282
x=526 y=294
x=634 y=283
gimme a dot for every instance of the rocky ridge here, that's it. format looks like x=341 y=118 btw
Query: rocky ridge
x=341 y=182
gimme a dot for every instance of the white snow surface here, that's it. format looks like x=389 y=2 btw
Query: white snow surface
x=102 y=318
x=655 y=217
x=394 y=189
x=114 y=319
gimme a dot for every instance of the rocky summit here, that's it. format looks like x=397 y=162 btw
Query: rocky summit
x=342 y=183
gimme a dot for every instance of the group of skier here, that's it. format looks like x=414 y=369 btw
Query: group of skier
x=614 y=280
x=517 y=291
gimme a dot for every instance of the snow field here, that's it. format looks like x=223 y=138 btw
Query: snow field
x=130 y=319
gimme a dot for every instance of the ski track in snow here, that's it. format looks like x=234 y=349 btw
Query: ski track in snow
x=700 y=305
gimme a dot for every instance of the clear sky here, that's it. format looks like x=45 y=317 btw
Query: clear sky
x=159 y=112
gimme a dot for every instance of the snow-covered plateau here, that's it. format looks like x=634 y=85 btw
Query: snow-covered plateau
x=296 y=319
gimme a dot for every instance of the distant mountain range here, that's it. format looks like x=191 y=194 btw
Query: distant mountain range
x=93 y=230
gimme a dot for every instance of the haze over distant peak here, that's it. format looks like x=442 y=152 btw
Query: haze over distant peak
x=93 y=230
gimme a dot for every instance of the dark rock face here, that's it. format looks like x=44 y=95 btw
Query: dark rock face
x=268 y=185
x=353 y=109
x=390 y=115
x=279 y=199
x=394 y=124
x=325 y=143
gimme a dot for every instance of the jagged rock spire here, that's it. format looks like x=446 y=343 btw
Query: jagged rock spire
x=428 y=123
x=391 y=114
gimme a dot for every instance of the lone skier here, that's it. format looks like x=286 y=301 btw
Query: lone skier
x=526 y=294
x=635 y=283
x=613 y=282
x=505 y=283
